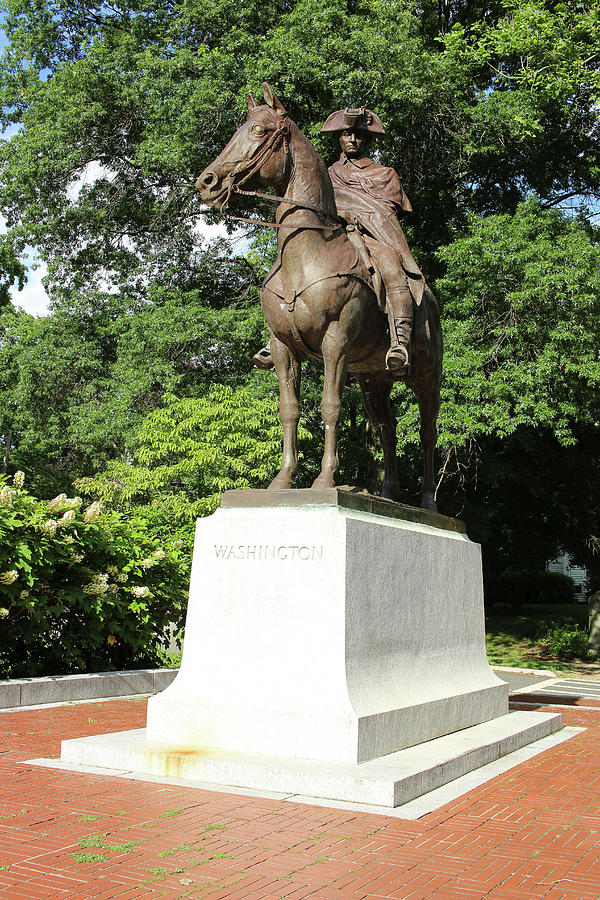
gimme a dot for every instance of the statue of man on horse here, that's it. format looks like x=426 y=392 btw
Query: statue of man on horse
x=338 y=238
x=369 y=196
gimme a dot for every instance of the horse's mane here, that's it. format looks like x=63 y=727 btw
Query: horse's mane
x=309 y=174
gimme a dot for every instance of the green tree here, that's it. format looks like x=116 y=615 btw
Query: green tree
x=151 y=89
x=520 y=420
x=12 y=271
x=488 y=106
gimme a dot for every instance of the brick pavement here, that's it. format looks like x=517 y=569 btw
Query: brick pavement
x=530 y=833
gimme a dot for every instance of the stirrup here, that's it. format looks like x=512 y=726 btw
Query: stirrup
x=397 y=359
x=263 y=359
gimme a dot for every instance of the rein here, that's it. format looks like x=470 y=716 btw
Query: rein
x=247 y=170
x=276 y=199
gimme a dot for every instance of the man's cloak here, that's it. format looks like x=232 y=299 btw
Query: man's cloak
x=370 y=195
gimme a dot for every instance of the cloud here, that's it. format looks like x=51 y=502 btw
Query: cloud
x=33 y=299
x=88 y=176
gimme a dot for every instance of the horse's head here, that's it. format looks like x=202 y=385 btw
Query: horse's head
x=257 y=154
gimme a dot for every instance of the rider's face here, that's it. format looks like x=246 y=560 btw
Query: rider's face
x=354 y=143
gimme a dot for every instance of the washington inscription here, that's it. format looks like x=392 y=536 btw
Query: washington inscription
x=268 y=551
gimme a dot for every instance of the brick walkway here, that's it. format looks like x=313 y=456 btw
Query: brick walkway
x=530 y=833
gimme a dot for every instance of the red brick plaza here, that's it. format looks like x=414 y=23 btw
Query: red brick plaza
x=530 y=833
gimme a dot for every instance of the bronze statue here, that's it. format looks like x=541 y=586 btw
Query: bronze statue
x=322 y=298
x=370 y=196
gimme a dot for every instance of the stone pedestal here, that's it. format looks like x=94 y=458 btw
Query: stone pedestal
x=328 y=633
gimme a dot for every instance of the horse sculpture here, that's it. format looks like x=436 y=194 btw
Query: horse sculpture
x=319 y=299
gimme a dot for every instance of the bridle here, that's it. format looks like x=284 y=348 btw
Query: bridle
x=244 y=169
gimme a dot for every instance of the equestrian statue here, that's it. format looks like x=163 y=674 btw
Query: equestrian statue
x=344 y=287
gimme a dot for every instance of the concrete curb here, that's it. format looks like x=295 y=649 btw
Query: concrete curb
x=62 y=688
x=543 y=673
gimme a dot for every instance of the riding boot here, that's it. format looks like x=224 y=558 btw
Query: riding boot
x=400 y=316
x=263 y=359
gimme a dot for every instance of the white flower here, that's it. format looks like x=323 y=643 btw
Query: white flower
x=98 y=587
x=147 y=563
x=68 y=539
x=122 y=578
x=178 y=544
x=57 y=502
x=140 y=591
x=77 y=502
x=6 y=495
x=3 y=612
x=112 y=570
x=19 y=479
x=11 y=576
x=159 y=554
x=93 y=511
x=49 y=527
x=78 y=557
x=23 y=595
x=69 y=516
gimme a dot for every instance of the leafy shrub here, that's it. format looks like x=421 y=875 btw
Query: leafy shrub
x=565 y=640
x=518 y=588
x=189 y=451
x=554 y=587
x=82 y=589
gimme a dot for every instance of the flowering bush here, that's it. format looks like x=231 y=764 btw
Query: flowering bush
x=82 y=589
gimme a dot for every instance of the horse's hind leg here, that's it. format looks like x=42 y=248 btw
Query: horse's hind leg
x=376 y=393
x=428 y=397
x=287 y=368
x=335 y=358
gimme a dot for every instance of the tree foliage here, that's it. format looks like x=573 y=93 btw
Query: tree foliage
x=492 y=113
x=12 y=271
x=189 y=451
x=522 y=314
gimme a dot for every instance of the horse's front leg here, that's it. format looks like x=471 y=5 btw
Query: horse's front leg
x=376 y=393
x=335 y=359
x=287 y=368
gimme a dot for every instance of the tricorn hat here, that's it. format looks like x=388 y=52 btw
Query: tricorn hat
x=361 y=119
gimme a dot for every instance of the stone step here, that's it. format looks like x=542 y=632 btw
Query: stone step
x=386 y=781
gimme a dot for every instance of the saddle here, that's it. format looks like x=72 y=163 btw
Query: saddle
x=364 y=269
x=359 y=269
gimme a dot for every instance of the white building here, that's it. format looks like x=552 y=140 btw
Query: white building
x=563 y=565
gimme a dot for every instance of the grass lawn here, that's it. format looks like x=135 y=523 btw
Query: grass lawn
x=511 y=634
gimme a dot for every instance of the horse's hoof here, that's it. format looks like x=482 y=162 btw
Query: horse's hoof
x=323 y=483
x=263 y=359
x=390 y=493
x=281 y=484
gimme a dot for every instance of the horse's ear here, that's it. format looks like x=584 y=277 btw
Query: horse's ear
x=273 y=101
x=252 y=103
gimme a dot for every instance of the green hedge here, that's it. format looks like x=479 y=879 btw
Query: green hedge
x=82 y=590
x=518 y=588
